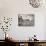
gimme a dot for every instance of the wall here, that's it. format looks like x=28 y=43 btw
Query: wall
x=11 y=8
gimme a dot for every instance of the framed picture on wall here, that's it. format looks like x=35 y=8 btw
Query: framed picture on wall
x=25 y=19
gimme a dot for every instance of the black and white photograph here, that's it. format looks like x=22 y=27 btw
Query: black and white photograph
x=35 y=3
x=25 y=19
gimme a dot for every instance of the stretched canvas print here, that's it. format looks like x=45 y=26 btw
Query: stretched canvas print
x=25 y=19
